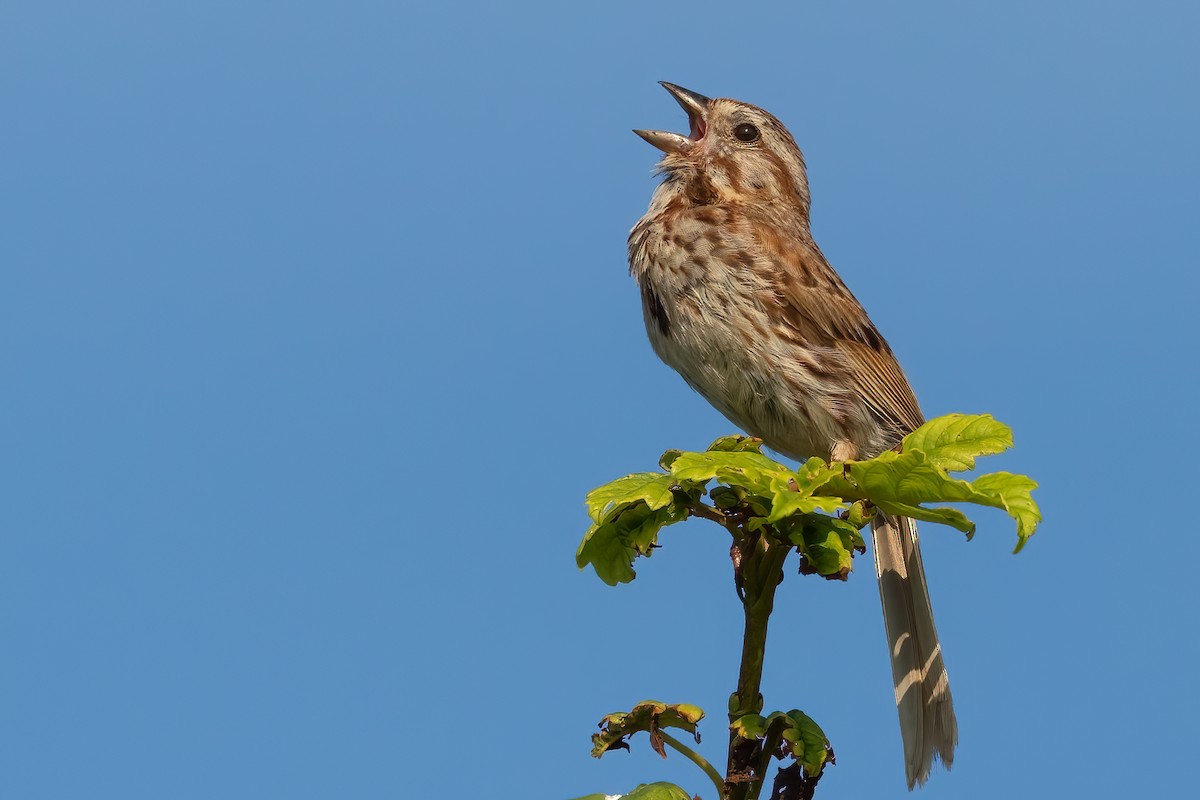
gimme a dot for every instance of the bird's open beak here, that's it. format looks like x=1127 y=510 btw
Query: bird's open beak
x=696 y=106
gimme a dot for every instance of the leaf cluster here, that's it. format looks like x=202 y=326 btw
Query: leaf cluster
x=819 y=508
x=778 y=735
x=793 y=734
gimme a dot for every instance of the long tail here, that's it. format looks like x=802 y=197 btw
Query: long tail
x=927 y=723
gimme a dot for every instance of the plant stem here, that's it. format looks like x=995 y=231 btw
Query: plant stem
x=697 y=759
x=706 y=511
x=770 y=745
x=762 y=569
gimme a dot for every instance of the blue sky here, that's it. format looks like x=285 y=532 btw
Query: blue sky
x=315 y=328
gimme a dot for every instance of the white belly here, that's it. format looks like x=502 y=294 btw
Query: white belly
x=723 y=344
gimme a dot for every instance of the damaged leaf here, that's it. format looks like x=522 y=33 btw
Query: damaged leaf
x=649 y=717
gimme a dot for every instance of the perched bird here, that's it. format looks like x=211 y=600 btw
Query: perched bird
x=738 y=299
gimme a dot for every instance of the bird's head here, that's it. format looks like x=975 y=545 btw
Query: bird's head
x=733 y=152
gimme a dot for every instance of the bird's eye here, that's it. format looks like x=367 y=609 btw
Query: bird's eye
x=746 y=132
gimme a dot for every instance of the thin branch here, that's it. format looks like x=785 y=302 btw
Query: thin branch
x=706 y=511
x=697 y=759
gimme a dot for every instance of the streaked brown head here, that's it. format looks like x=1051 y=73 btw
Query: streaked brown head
x=733 y=152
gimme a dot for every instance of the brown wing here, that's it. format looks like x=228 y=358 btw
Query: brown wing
x=824 y=313
x=877 y=376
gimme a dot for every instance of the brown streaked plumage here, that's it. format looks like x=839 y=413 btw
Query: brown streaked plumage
x=741 y=302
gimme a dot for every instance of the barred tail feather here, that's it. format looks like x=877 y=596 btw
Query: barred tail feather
x=927 y=724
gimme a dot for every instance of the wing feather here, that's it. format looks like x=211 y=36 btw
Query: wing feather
x=824 y=313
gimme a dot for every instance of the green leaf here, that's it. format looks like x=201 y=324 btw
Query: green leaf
x=940 y=514
x=895 y=480
x=604 y=549
x=612 y=546
x=754 y=471
x=794 y=492
x=791 y=496
x=750 y=726
x=814 y=474
x=786 y=504
x=809 y=744
x=651 y=488
x=657 y=791
x=645 y=791
x=646 y=717
x=736 y=444
x=826 y=544
x=1013 y=493
x=838 y=484
x=954 y=441
x=726 y=497
x=859 y=516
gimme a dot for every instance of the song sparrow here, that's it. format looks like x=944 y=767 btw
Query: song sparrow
x=738 y=299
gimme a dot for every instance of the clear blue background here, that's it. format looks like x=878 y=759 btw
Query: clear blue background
x=315 y=328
